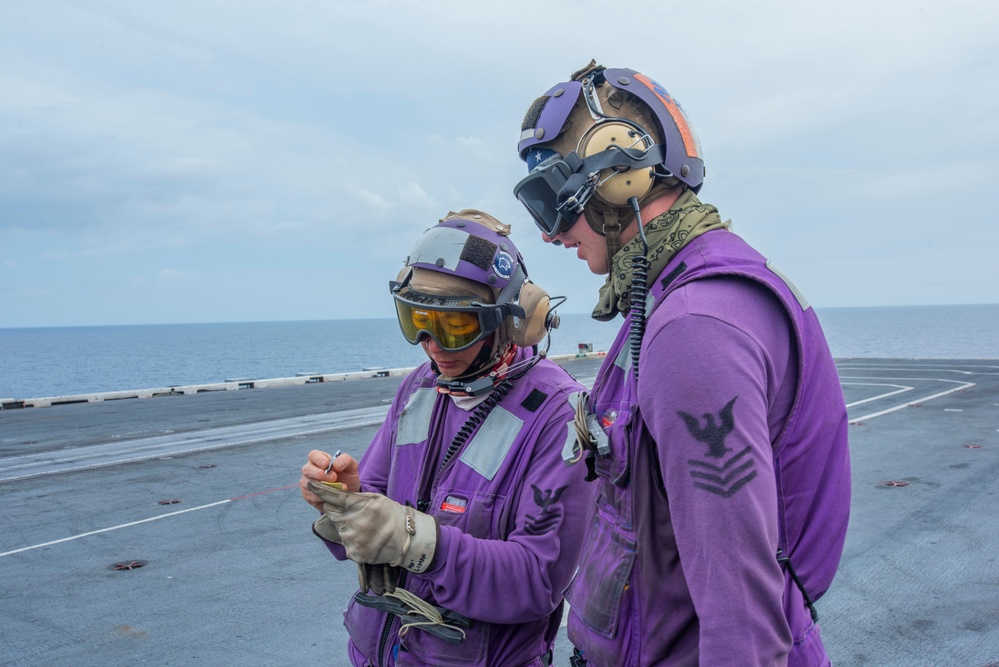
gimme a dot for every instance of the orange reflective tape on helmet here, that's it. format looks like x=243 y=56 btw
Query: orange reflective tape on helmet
x=690 y=142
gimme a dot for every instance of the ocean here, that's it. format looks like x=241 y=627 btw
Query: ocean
x=60 y=361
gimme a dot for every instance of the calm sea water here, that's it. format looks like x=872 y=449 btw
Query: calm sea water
x=74 y=360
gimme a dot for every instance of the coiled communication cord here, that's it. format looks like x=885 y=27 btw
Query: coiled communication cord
x=480 y=413
x=639 y=288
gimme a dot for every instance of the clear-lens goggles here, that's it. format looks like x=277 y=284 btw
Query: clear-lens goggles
x=539 y=193
x=453 y=330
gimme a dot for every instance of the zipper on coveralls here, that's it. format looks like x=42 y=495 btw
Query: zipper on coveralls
x=387 y=628
x=429 y=463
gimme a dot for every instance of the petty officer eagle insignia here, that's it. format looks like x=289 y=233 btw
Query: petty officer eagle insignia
x=721 y=477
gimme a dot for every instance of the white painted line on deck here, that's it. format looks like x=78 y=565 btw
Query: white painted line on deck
x=902 y=389
x=116 y=452
x=105 y=530
x=141 y=521
x=902 y=406
x=948 y=367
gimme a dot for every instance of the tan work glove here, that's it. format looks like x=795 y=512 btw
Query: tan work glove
x=375 y=529
x=325 y=529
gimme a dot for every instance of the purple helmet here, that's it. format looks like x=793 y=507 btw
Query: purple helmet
x=578 y=147
x=546 y=120
x=464 y=280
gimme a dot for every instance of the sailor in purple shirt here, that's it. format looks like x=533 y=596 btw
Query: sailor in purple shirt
x=464 y=515
x=716 y=427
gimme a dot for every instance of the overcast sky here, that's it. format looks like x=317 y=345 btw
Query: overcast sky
x=214 y=161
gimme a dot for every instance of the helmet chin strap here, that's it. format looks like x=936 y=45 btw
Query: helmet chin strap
x=606 y=221
x=482 y=375
x=612 y=231
x=609 y=221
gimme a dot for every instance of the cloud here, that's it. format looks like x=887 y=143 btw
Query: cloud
x=171 y=274
x=223 y=137
x=470 y=142
x=413 y=194
x=372 y=199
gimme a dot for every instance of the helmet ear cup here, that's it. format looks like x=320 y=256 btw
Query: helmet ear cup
x=617 y=188
x=532 y=327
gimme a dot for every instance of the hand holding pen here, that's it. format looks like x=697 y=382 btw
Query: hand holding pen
x=323 y=467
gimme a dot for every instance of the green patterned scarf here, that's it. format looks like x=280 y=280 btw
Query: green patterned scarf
x=687 y=219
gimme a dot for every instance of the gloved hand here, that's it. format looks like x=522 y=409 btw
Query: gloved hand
x=376 y=530
x=326 y=529
x=379 y=579
x=323 y=527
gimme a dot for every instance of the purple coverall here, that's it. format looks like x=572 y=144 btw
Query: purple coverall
x=728 y=453
x=511 y=511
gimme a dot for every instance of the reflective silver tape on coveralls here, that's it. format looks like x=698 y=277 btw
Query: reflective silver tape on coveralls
x=414 y=422
x=490 y=445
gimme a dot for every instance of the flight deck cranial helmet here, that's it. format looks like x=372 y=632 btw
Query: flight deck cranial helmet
x=598 y=140
x=465 y=281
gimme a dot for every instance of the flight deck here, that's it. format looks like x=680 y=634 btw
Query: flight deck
x=169 y=530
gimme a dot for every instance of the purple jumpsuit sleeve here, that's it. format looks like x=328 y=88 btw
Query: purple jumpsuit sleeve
x=522 y=577
x=374 y=464
x=708 y=379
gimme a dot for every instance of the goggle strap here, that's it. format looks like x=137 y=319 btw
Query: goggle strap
x=491 y=317
x=577 y=190
x=622 y=157
x=396 y=286
x=573 y=161
x=510 y=293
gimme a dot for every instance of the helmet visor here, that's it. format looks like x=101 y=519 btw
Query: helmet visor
x=453 y=329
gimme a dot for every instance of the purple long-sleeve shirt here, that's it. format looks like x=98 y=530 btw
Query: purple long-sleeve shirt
x=728 y=451
x=510 y=507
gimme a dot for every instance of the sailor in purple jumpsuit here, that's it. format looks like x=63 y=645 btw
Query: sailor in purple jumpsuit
x=476 y=463
x=717 y=426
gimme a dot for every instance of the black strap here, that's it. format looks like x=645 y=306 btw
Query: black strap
x=396 y=608
x=617 y=156
x=784 y=560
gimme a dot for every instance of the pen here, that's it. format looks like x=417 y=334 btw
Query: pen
x=332 y=459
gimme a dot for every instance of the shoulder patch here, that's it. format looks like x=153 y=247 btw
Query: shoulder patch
x=673 y=275
x=534 y=400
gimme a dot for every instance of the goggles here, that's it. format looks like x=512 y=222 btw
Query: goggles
x=557 y=189
x=541 y=193
x=455 y=328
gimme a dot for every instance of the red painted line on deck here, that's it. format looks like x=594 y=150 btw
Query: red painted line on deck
x=260 y=493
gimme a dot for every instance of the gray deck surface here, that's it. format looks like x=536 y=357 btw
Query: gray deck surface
x=235 y=577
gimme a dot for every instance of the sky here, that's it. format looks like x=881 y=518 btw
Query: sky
x=226 y=161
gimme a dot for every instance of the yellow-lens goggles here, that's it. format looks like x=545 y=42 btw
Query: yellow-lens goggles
x=452 y=329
